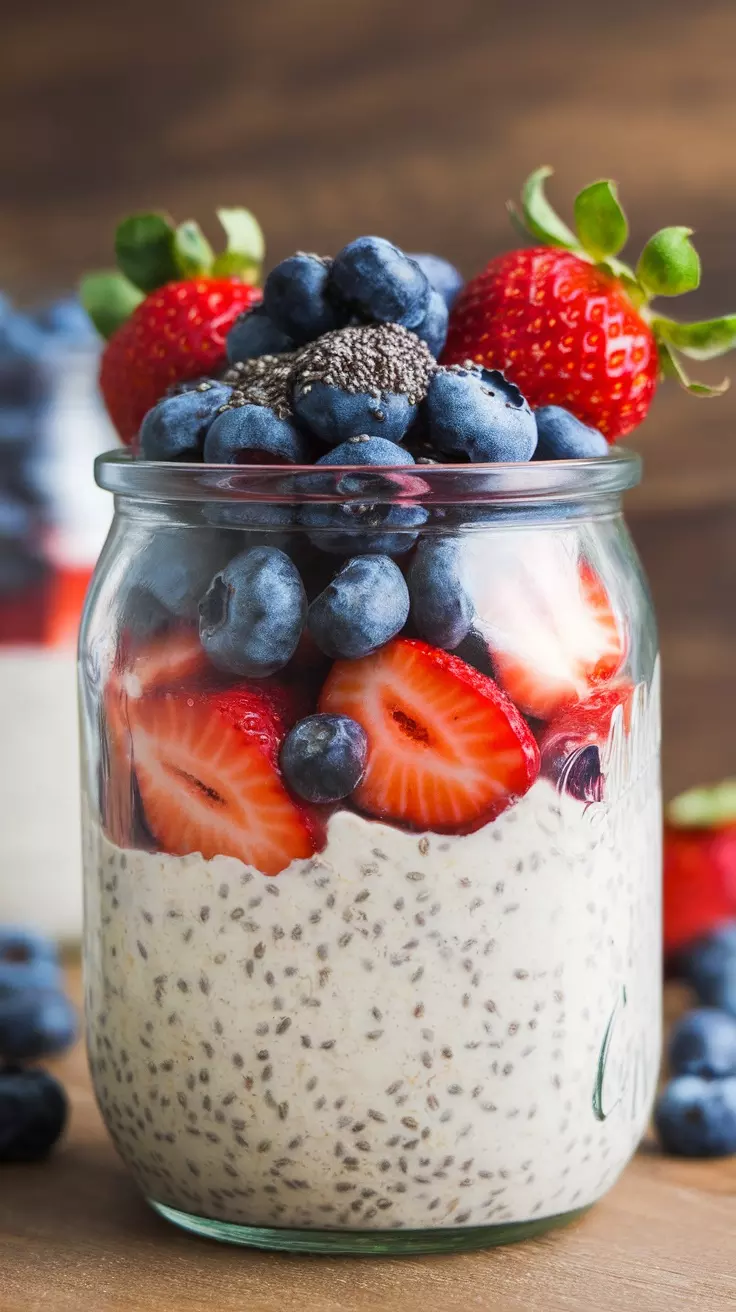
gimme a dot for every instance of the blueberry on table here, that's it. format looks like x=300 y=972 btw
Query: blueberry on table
x=709 y=965
x=254 y=334
x=696 y=1117
x=441 y=608
x=252 y=616
x=479 y=414
x=433 y=327
x=323 y=758
x=703 y=1042
x=27 y=960
x=442 y=276
x=381 y=282
x=562 y=436
x=298 y=298
x=365 y=605
x=175 y=428
x=364 y=525
x=253 y=435
x=36 y=1022
x=33 y=1113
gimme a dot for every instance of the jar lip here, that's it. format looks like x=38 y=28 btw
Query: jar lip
x=507 y=484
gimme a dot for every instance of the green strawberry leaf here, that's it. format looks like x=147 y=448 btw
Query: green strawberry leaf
x=600 y=221
x=672 y=368
x=539 y=218
x=699 y=341
x=669 y=264
x=192 y=252
x=109 y=299
x=245 y=245
x=705 y=808
x=144 y=249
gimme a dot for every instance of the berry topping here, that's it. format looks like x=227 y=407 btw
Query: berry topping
x=254 y=334
x=433 y=327
x=174 y=568
x=381 y=282
x=365 y=605
x=323 y=757
x=175 y=428
x=447 y=750
x=696 y=1117
x=471 y=412
x=253 y=613
x=207 y=768
x=563 y=437
x=296 y=298
x=364 y=525
x=442 y=276
x=703 y=1042
x=571 y=744
x=253 y=435
x=441 y=608
x=33 y=1113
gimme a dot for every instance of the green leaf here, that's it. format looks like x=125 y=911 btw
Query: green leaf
x=539 y=217
x=144 y=249
x=109 y=299
x=672 y=368
x=245 y=245
x=705 y=808
x=600 y=221
x=699 y=341
x=192 y=252
x=669 y=264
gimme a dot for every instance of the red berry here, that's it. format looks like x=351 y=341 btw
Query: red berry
x=699 y=882
x=564 y=331
x=176 y=334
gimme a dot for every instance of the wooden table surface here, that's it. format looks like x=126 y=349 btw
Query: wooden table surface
x=75 y=1234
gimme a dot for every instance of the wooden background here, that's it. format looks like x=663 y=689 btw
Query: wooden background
x=417 y=119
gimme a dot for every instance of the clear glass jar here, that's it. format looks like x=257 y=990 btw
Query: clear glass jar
x=427 y=1017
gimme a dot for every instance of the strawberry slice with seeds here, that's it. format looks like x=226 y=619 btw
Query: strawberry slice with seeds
x=571 y=745
x=160 y=663
x=206 y=763
x=447 y=750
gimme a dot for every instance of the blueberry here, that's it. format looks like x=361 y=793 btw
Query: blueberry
x=564 y=437
x=365 y=605
x=66 y=318
x=442 y=276
x=249 y=515
x=33 y=1113
x=696 y=1117
x=479 y=414
x=381 y=282
x=253 y=435
x=252 y=616
x=709 y=964
x=142 y=614
x=703 y=1042
x=297 y=298
x=36 y=1022
x=20 y=568
x=323 y=757
x=16 y=520
x=433 y=327
x=363 y=525
x=175 y=428
x=441 y=609
x=27 y=960
x=176 y=568
x=334 y=415
x=254 y=334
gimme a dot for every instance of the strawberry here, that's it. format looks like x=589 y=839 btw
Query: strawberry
x=167 y=310
x=572 y=325
x=571 y=745
x=699 y=863
x=207 y=771
x=160 y=663
x=447 y=751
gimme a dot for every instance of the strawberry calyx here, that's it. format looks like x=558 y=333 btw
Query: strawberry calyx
x=151 y=250
x=710 y=807
x=669 y=265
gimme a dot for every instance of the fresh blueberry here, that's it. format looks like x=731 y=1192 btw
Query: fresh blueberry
x=176 y=568
x=363 y=524
x=479 y=414
x=365 y=605
x=253 y=435
x=33 y=1113
x=27 y=961
x=141 y=614
x=696 y=1117
x=249 y=515
x=709 y=964
x=16 y=520
x=334 y=415
x=20 y=568
x=66 y=318
x=441 y=608
x=703 y=1042
x=36 y=1022
x=252 y=616
x=323 y=757
x=564 y=437
x=433 y=328
x=382 y=282
x=254 y=334
x=297 y=298
x=175 y=428
x=442 y=276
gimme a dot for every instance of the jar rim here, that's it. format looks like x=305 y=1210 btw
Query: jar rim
x=542 y=481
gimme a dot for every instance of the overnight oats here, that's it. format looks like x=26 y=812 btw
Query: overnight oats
x=370 y=708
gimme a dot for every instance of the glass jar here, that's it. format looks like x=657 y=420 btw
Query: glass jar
x=427 y=1016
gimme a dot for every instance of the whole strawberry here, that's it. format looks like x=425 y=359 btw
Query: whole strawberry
x=699 y=863
x=168 y=308
x=572 y=325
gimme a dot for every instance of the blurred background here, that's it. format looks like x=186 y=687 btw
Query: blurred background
x=417 y=120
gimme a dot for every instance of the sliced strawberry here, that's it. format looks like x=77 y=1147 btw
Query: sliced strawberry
x=159 y=663
x=207 y=771
x=571 y=744
x=447 y=750
x=549 y=621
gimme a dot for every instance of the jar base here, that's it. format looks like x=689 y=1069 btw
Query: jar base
x=368 y=1243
